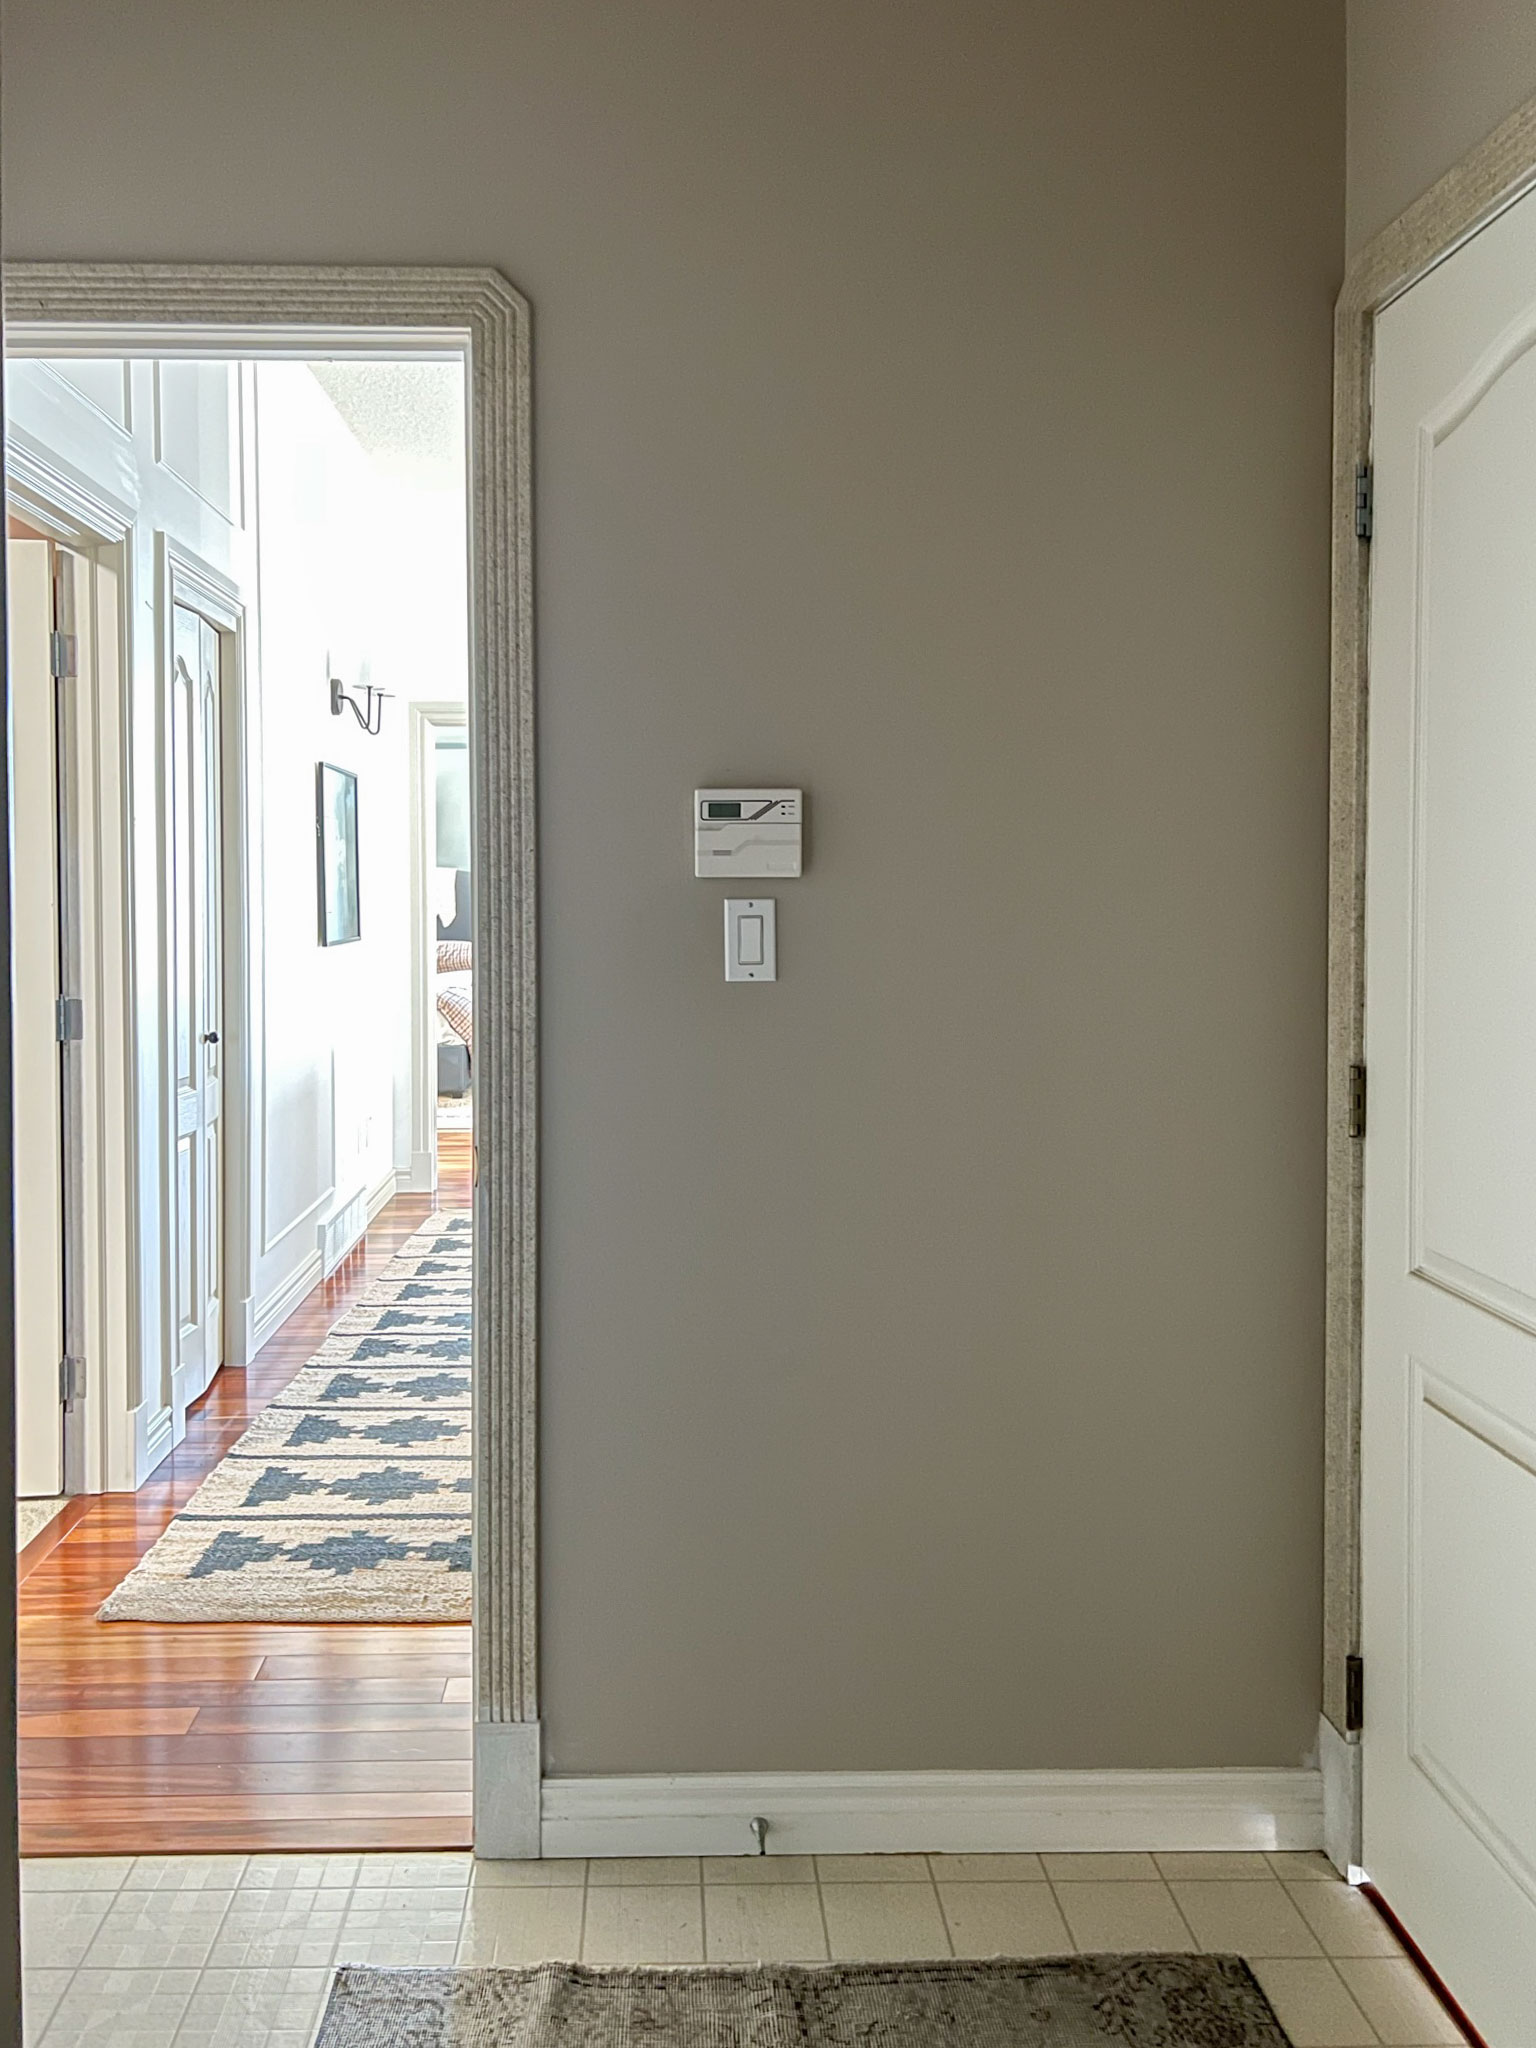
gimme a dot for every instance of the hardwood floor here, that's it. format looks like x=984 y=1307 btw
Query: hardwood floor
x=185 y=1737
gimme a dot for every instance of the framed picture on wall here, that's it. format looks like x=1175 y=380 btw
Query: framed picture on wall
x=336 y=839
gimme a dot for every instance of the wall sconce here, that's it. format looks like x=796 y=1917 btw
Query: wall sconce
x=370 y=716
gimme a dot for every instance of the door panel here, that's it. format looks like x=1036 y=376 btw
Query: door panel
x=38 y=1135
x=1448 y=1447
x=196 y=980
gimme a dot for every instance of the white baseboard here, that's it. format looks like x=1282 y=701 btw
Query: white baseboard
x=1339 y=1756
x=280 y=1305
x=506 y=1794
x=154 y=1438
x=888 y=1811
x=384 y=1191
x=240 y=1331
x=420 y=1177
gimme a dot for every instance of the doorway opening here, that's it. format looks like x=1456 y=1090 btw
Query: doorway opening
x=244 y=579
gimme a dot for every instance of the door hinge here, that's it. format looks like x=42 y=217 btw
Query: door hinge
x=71 y=1380
x=69 y=1020
x=1357 y=1101
x=1354 y=1695
x=62 y=655
x=1365 y=500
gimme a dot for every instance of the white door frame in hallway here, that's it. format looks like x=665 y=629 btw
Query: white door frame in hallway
x=190 y=586
x=426 y=718
x=100 y=1448
x=198 y=311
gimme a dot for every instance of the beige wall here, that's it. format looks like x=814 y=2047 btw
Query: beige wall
x=1427 y=80
x=932 y=409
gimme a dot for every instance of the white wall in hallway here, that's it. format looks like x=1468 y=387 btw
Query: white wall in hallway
x=361 y=577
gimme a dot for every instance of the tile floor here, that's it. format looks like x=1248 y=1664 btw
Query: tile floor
x=236 y=1951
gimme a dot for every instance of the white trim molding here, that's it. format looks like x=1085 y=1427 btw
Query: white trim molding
x=881 y=1812
x=269 y=310
x=1339 y=1756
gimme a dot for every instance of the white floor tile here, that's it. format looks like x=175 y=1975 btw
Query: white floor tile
x=632 y=1870
x=1200 y=1863
x=409 y=1927
x=1344 y=1920
x=291 y=1929
x=995 y=1918
x=538 y=1874
x=185 y=1873
x=1313 y=2005
x=74 y=1873
x=300 y=1873
x=158 y=1930
x=41 y=1991
x=652 y=1923
x=517 y=1924
x=1123 y=1914
x=759 y=1869
x=240 y=2008
x=873 y=1869
x=962 y=1869
x=120 y=2009
x=412 y=1872
x=883 y=1923
x=58 y=1927
x=1300 y=1865
x=1397 y=2002
x=1099 y=1867
x=763 y=1923
x=1246 y=1919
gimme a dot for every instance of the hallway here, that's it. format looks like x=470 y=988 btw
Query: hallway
x=187 y=1738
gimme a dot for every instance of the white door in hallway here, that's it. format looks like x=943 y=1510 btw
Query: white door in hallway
x=1449 y=1358
x=196 y=898
x=38 y=1120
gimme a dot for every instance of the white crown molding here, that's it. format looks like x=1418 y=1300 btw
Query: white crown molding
x=889 y=1811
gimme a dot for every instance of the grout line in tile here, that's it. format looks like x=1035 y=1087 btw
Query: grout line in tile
x=949 y=1932
x=1056 y=1902
x=933 y=1886
x=586 y=1891
x=821 y=1907
x=1168 y=1888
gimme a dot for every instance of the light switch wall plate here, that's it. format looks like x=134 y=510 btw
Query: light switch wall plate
x=741 y=833
x=751 y=938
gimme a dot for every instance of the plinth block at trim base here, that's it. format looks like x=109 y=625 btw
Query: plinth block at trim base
x=507 y=1789
x=889 y=1811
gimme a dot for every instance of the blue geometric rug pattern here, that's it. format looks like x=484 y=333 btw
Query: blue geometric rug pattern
x=348 y=1498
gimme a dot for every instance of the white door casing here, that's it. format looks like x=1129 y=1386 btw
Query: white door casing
x=1448 y=1440
x=212 y=310
x=195 y=809
x=35 y=969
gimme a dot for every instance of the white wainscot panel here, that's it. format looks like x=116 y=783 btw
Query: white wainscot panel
x=1473 y=1682
x=1474 y=983
x=197 y=429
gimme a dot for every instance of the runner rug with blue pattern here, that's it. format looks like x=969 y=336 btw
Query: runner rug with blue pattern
x=348 y=1499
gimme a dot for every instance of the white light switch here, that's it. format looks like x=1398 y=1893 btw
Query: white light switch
x=751 y=938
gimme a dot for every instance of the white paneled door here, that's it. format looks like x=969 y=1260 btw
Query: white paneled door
x=1449 y=1360
x=197 y=973
x=38 y=1129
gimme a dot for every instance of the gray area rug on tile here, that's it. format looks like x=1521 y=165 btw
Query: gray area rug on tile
x=1159 y=2001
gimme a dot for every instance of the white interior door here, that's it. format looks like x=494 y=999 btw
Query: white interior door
x=1449 y=1397
x=195 y=807
x=37 y=1107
